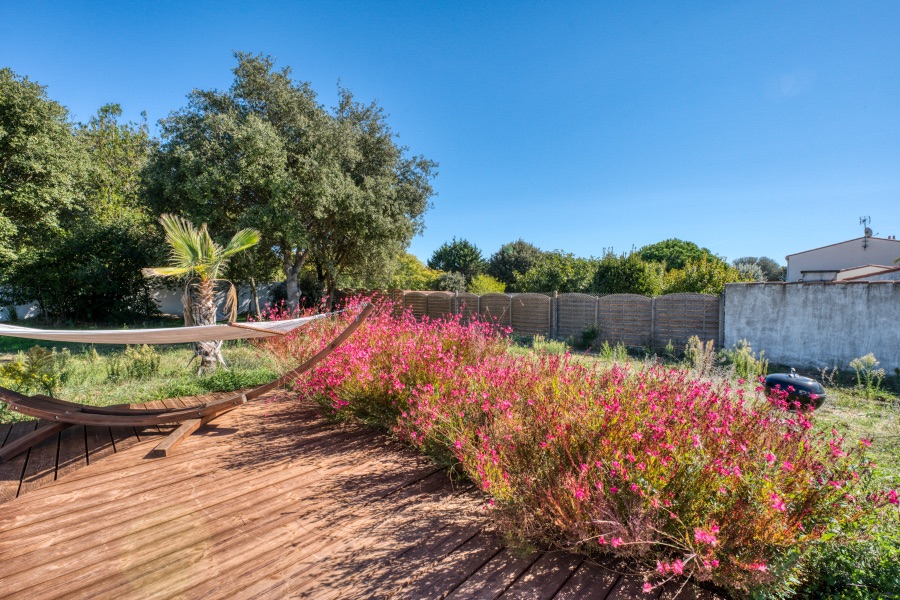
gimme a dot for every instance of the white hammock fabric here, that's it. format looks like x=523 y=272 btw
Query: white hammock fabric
x=169 y=335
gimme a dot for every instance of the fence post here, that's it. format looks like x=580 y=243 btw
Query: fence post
x=510 y=311
x=426 y=305
x=554 y=315
x=454 y=308
x=653 y=342
x=722 y=319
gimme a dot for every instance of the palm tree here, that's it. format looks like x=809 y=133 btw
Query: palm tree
x=194 y=255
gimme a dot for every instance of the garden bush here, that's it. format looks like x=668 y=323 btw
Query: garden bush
x=685 y=476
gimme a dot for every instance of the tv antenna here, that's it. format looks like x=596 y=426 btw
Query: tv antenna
x=867 y=231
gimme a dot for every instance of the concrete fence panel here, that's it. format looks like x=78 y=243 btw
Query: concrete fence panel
x=575 y=313
x=440 y=304
x=530 y=314
x=626 y=318
x=495 y=308
x=416 y=303
x=466 y=305
x=678 y=317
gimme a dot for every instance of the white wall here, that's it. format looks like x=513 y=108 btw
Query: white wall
x=169 y=301
x=845 y=255
x=816 y=324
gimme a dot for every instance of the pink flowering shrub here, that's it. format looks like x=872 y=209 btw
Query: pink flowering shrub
x=688 y=476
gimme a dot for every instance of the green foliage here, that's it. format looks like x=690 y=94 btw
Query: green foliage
x=331 y=187
x=771 y=270
x=138 y=363
x=459 y=256
x=628 y=274
x=615 y=353
x=411 y=274
x=868 y=376
x=747 y=365
x=485 y=284
x=512 y=258
x=86 y=266
x=706 y=276
x=675 y=253
x=41 y=167
x=859 y=570
x=557 y=271
x=450 y=282
x=38 y=369
x=750 y=272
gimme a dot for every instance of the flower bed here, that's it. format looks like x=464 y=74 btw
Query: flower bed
x=686 y=476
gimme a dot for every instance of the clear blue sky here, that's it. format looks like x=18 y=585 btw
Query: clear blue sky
x=752 y=128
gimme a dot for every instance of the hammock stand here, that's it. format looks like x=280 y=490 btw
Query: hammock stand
x=62 y=414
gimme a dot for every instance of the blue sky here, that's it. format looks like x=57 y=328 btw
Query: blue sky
x=752 y=128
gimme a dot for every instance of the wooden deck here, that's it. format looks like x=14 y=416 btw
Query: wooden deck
x=269 y=501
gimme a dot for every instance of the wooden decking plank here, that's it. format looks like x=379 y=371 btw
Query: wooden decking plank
x=85 y=485
x=4 y=432
x=335 y=556
x=123 y=437
x=62 y=524
x=11 y=471
x=545 y=577
x=98 y=442
x=495 y=577
x=40 y=467
x=299 y=538
x=22 y=444
x=412 y=562
x=590 y=582
x=444 y=577
x=629 y=587
x=173 y=570
x=72 y=451
x=156 y=552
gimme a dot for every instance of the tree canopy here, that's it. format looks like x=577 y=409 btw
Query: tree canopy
x=628 y=274
x=331 y=186
x=512 y=258
x=458 y=256
x=558 y=271
x=675 y=253
x=770 y=269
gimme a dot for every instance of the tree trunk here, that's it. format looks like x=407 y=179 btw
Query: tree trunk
x=204 y=313
x=291 y=265
x=254 y=294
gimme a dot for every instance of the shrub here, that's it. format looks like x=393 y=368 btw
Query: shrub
x=699 y=356
x=38 y=369
x=485 y=284
x=135 y=363
x=746 y=364
x=687 y=476
x=616 y=353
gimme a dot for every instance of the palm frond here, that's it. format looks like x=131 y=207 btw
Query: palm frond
x=164 y=271
x=243 y=239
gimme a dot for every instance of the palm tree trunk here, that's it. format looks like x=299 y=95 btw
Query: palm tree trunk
x=204 y=313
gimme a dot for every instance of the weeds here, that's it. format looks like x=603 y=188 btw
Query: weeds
x=700 y=357
x=868 y=375
x=746 y=364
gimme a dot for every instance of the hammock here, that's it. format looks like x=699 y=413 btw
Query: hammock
x=169 y=335
x=59 y=414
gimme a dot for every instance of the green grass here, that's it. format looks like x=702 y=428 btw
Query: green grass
x=90 y=377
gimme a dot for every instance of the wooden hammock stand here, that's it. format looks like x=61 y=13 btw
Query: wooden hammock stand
x=62 y=414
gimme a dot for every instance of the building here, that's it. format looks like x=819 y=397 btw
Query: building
x=861 y=257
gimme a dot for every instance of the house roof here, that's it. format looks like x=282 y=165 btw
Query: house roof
x=890 y=270
x=844 y=242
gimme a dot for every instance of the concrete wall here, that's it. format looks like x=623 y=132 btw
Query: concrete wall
x=844 y=255
x=816 y=324
x=169 y=301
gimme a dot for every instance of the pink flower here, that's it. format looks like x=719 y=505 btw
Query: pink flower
x=678 y=567
x=648 y=588
x=777 y=503
x=580 y=494
x=892 y=497
x=616 y=542
x=770 y=458
x=705 y=537
x=760 y=566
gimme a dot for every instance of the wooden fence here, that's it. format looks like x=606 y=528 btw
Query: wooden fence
x=627 y=318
